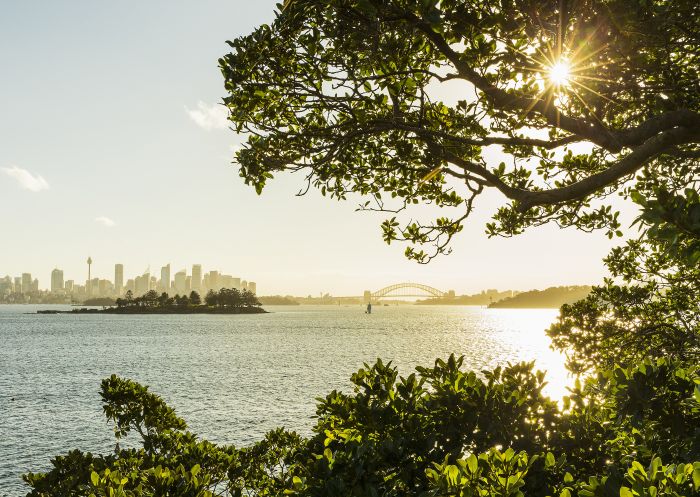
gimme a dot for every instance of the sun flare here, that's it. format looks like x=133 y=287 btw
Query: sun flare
x=560 y=73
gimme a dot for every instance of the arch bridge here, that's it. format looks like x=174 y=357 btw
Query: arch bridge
x=406 y=290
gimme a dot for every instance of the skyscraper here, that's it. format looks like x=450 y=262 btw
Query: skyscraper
x=180 y=282
x=214 y=281
x=26 y=282
x=56 y=280
x=165 y=278
x=142 y=284
x=197 y=277
x=252 y=287
x=118 y=279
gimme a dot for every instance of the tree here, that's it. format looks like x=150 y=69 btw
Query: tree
x=163 y=300
x=649 y=308
x=574 y=98
x=249 y=299
x=211 y=298
x=150 y=298
x=195 y=299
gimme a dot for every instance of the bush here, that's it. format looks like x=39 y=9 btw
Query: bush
x=440 y=431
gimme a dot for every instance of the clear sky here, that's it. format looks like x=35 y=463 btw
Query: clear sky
x=111 y=146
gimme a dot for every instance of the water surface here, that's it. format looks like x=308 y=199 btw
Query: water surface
x=231 y=377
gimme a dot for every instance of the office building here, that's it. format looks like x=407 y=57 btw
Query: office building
x=26 y=282
x=56 y=280
x=180 y=282
x=214 y=281
x=165 y=278
x=142 y=284
x=118 y=279
x=197 y=277
x=252 y=287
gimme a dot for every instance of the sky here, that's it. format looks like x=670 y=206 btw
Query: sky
x=112 y=145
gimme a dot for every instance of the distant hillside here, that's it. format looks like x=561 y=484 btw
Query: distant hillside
x=553 y=297
x=277 y=300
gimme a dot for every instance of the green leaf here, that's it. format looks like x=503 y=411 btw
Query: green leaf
x=472 y=463
x=626 y=492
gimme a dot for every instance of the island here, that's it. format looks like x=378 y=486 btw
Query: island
x=224 y=301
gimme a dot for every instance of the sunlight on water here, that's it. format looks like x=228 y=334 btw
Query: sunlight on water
x=232 y=378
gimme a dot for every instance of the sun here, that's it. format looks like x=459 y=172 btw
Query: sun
x=559 y=73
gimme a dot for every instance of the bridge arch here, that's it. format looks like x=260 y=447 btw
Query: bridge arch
x=407 y=289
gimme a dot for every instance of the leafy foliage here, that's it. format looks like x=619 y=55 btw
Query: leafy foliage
x=441 y=431
x=650 y=307
x=350 y=94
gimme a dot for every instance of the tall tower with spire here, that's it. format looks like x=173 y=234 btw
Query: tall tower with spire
x=89 y=281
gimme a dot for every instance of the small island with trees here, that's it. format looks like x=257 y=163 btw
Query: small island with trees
x=224 y=301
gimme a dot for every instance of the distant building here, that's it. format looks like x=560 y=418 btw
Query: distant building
x=56 y=281
x=252 y=287
x=68 y=286
x=141 y=284
x=118 y=279
x=180 y=282
x=244 y=285
x=5 y=285
x=236 y=283
x=35 y=285
x=105 y=288
x=18 y=285
x=214 y=281
x=196 y=277
x=130 y=286
x=26 y=282
x=165 y=278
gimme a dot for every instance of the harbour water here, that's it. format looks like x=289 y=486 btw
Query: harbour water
x=231 y=377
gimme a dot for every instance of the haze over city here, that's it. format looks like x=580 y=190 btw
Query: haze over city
x=117 y=149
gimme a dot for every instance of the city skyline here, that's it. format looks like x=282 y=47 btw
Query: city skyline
x=179 y=283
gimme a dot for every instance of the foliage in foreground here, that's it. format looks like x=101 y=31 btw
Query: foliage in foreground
x=440 y=431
